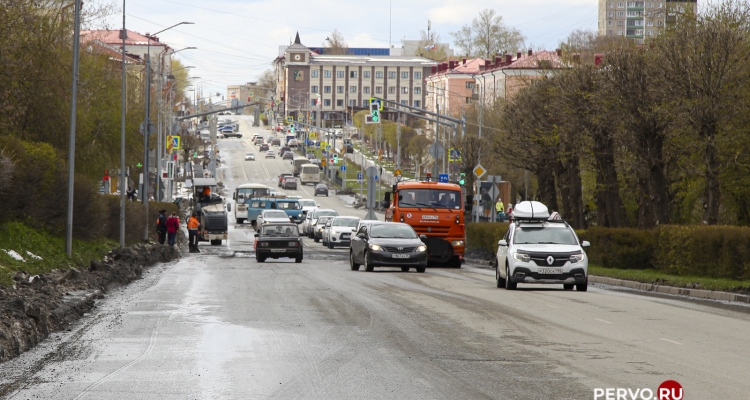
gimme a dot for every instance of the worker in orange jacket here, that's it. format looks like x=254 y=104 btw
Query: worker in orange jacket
x=193 y=225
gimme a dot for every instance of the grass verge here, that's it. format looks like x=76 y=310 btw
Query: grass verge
x=42 y=252
x=656 y=277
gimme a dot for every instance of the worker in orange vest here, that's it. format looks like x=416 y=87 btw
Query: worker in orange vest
x=193 y=225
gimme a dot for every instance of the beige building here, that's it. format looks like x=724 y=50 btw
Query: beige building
x=334 y=85
x=507 y=75
x=450 y=86
x=638 y=20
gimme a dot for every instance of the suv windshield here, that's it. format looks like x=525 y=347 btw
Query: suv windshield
x=326 y=213
x=275 y=214
x=288 y=205
x=393 y=231
x=429 y=198
x=351 y=222
x=307 y=203
x=543 y=235
x=280 y=231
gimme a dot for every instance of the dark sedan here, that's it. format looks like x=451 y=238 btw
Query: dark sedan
x=263 y=147
x=388 y=244
x=288 y=155
x=321 y=189
x=278 y=241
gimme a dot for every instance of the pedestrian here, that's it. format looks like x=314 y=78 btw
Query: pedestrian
x=161 y=226
x=500 y=209
x=173 y=225
x=510 y=214
x=131 y=194
x=193 y=225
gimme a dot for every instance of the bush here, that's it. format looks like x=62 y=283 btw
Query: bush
x=483 y=235
x=712 y=251
x=622 y=248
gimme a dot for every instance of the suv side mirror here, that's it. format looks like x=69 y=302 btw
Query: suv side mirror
x=229 y=207
x=585 y=244
x=361 y=235
x=423 y=237
x=234 y=196
x=502 y=243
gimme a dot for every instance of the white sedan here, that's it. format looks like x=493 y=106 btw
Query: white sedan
x=271 y=216
x=340 y=232
x=270 y=154
x=249 y=156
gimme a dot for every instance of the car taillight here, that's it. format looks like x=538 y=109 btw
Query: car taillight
x=293 y=244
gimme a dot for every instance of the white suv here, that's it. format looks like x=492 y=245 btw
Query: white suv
x=537 y=249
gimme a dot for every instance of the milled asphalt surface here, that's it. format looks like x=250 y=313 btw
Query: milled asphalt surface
x=219 y=325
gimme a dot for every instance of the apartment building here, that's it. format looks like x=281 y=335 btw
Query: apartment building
x=333 y=85
x=638 y=20
x=507 y=75
x=450 y=86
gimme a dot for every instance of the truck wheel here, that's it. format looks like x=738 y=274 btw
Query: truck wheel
x=240 y=220
x=216 y=242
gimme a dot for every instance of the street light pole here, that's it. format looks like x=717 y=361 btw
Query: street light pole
x=146 y=129
x=72 y=143
x=123 y=178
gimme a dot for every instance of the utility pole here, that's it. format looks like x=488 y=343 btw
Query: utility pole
x=72 y=143
x=437 y=128
x=398 y=141
x=123 y=178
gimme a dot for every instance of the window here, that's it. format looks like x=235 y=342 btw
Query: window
x=404 y=75
x=378 y=90
x=378 y=74
x=339 y=89
x=417 y=90
x=340 y=74
x=404 y=90
x=417 y=103
x=366 y=74
x=610 y=14
x=366 y=103
x=650 y=23
x=609 y=32
x=620 y=5
x=470 y=85
x=417 y=75
x=620 y=23
x=312 y=102
x=352 y=89
x=326 y=89
x=391 y=90
x=659 y=23
x=314 y=89
x=468 y=99
x=327 y=73
x=404 y=103
x=392 y=75
x=327 y=102
x=339 y=103
x=352 y=74
x=620 y=14
x=366 y=90
x=314 y=73
x=352 y=103
x=650 y=5
x=619 y=32
x=609 y=23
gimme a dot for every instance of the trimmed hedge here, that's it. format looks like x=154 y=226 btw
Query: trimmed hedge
x=699 y=250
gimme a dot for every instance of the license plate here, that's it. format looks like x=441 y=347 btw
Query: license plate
x=400 y=256
x=345 y=236
x=278 y=250
x=550 y=271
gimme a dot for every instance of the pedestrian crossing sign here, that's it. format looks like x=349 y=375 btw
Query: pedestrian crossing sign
x=173 y=143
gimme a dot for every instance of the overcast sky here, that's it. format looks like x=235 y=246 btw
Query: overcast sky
x=238 y=39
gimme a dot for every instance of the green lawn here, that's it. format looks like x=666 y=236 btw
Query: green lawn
x=42 y=252
x=656 y=277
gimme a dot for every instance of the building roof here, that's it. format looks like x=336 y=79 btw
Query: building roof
x=112 y=37
x=369 y=60
x=540 y=60
x=114 y=53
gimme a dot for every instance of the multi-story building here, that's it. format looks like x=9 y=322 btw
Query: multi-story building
x=507 y=75
x=335 y=84
x=450 y=86
x=244 y=94
x=638 y=20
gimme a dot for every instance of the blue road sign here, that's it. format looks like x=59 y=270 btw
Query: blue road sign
x=343 y=168
x=317 y=145
x=327 y=147
x=376 y=177
x=359 y=177
x=443 y=178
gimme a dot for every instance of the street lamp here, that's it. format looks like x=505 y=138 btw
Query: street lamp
x=146 y=127
x=72 y=143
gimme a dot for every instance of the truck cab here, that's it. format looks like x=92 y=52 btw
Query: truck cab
x=211 y=209
x=435 y=210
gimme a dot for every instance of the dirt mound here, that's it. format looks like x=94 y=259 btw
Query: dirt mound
x=40 y=304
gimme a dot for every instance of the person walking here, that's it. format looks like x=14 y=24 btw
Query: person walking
x=161 y=226
x=130 y=193
x=173 y=225
x=193 y=225
x=500 y=209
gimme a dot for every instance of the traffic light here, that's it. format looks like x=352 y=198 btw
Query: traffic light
x=462 y=179
x=374 y=111
x=335 y=158
x=106 y=175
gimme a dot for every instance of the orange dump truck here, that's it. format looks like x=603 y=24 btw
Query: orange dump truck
x=436 y=210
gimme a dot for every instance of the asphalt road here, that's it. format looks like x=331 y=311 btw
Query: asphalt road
x=219 y=325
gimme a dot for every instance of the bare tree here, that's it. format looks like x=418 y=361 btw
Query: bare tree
x=428 y=47
x=487 y=36
x=336 y=44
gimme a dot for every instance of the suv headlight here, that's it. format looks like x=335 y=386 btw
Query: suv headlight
x=421 y=248
x=576 y=258
x=522 y=257
x=375 y=247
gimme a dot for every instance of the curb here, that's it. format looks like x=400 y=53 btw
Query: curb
x=649 y=287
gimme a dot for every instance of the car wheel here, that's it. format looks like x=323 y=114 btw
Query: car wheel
x=368 y=266
x=568 y=286
x=330 y=245
x=582 y=287
x=298 y=260
x=404 y=269
x=509 y=285
x=316 y=239
x=354 y=266
x=260 y=259
x=240 y=220
x=421 y=270
x=499 y=279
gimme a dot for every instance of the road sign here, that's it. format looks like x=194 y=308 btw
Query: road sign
x=323 y=161
x=359 y=177
x=376 y=177
x=479 y=171
x=151 y=127
x=379 y=101
x=289 y=119
x=374 y=113
x=436 y=151
x=397 y=172
x=371 y=171
x=317 y=145
x=454 y=155
x=343 y=168
x=300 y=118
x=173 y=143
x=328 y=147
x=442 y=177
x=332 y=161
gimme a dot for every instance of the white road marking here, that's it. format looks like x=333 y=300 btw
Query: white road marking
x=671 y=341
x=601 y=320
